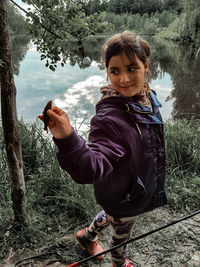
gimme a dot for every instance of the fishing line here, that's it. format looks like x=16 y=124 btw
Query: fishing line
x=134 y=239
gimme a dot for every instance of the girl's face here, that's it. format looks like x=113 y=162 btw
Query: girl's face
x=126 y=75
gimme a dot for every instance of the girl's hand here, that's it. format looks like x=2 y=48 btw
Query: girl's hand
x=59 y=123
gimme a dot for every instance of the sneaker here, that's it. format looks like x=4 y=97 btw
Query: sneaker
x=91 y=247
x=127 y=263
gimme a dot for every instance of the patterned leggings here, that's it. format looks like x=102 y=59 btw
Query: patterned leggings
x=121 y=231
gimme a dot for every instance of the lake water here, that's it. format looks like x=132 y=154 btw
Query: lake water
x=73 y=89
x=76 y=90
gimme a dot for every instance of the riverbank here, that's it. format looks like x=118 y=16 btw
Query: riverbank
x=57 y=206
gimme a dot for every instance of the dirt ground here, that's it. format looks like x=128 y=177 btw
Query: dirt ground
x=177 y=245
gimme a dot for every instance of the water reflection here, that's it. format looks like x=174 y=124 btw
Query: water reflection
x=19 y=46
x=169 y=62
x=187 y=85
x=182 y=64
x=92 y=51
x=75 y=88
x=80 y=96
x=67 y=86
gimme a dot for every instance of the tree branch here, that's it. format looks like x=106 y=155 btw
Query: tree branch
x=19 y=7
x=39 y=22
x=50 y=17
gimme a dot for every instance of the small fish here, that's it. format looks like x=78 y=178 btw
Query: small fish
x=46 y=118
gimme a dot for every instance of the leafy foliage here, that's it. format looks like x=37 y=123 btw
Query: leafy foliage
x=191 y=27
x=142 y=24
x=183 y=16
x=132 y=7
x=54 y=24
x=57 y=26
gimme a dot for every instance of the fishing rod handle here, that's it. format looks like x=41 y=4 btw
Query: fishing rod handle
x=72 y=265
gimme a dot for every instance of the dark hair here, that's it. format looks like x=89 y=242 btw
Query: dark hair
x=126 y=42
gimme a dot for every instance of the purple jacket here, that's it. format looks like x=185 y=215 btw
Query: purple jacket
x=124 y=158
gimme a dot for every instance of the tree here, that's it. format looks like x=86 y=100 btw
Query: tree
x=191 y=28
x=92 y=6
x=10 y=122
x=172 y=5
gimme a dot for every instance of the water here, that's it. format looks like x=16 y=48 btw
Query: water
x=73 y=89
x=76 y=90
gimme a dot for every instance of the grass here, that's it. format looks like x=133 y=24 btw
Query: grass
x=55 y=203
x=57 y=206
x=183 y=164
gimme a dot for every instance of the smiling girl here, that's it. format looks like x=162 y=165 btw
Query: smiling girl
x=124 y=157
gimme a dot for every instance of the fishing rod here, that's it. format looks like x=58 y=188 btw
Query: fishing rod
x=134 y=239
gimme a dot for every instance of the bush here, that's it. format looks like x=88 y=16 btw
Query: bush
x=165 y=18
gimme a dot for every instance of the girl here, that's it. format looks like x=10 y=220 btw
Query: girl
x=124 y=158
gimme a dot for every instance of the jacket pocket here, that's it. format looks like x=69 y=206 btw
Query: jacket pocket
x=136 y=192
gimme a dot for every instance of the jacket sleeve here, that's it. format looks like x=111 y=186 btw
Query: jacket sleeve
x=87 y=162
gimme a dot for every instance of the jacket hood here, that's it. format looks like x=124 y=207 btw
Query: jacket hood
x=129 y=104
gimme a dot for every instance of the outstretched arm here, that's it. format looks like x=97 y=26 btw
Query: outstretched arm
x=86 y=162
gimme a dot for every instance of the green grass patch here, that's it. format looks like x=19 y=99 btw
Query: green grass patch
x=57 y=206
x=183 y=164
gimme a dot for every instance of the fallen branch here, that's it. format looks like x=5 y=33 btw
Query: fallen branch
x=146 y=260
x=32 y=264
x=30 y=258
x=192 y=224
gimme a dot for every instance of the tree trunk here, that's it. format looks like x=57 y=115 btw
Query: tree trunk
x=10 y=121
